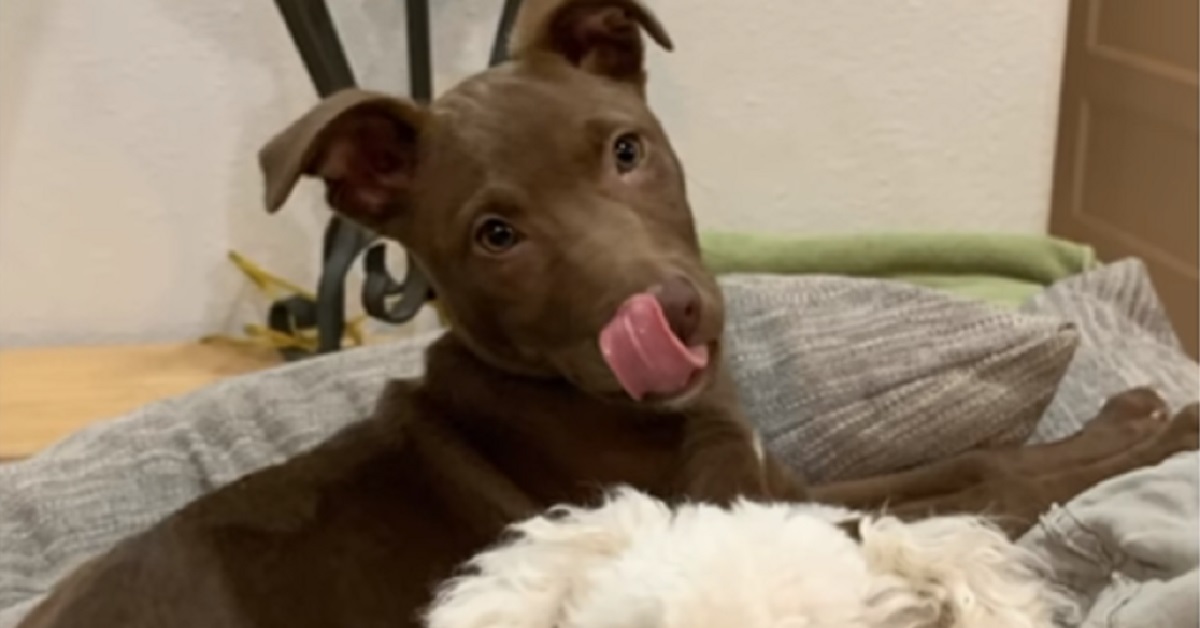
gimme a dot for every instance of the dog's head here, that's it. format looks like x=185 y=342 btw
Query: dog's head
x=634 y=561
x=542 y=198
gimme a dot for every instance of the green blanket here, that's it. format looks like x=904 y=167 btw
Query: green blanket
x=1004 y=269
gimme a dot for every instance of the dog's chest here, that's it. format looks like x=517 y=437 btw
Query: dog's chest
x=570 y=457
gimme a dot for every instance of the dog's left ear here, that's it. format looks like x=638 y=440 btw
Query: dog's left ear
x=362 y=144
x=599 y=36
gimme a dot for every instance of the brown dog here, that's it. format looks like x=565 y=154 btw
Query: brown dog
x=547 y=207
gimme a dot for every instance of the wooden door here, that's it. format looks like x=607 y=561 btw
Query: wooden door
x=1126 y=169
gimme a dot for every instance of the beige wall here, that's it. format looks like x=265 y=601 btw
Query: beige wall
x=127 y=134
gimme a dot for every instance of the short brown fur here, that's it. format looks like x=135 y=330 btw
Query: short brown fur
x=517 y=411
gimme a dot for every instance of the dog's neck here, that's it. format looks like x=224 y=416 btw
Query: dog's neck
x=456 y=375
x=545 y=435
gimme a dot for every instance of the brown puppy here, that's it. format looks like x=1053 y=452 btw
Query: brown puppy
x=539 y=197
x=547 y=207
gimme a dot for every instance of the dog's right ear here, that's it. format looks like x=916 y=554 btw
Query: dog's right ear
x=603 y=37
x=363 y=145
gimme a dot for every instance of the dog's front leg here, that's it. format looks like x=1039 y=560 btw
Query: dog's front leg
x=723 y=458
x=719 y=461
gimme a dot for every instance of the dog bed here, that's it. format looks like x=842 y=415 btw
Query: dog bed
x=116 y=478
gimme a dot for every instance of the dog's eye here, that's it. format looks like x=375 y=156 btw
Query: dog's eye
x=496 y=235
x=627 y=152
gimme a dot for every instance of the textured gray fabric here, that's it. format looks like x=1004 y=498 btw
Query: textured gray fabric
x=1126 y=340
x=1126 y=551
x=854 y=377
x=117 y=478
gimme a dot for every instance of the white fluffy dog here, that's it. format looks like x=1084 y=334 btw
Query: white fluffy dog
x=635 y=562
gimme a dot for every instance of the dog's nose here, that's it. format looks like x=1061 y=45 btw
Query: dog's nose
x=680 y=302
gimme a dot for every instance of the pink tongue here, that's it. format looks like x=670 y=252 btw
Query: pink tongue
x=644 y=353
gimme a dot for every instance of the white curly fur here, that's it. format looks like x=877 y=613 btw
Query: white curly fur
x=634 y=562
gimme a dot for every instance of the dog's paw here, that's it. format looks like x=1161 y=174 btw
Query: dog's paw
x=1183 y=433
x=1134 y=405
x=1134 y=414
x=953 y=570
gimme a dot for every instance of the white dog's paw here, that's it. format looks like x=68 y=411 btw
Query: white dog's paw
x=958 y=572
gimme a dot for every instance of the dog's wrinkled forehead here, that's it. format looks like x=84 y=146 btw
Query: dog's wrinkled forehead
x=521 y=117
